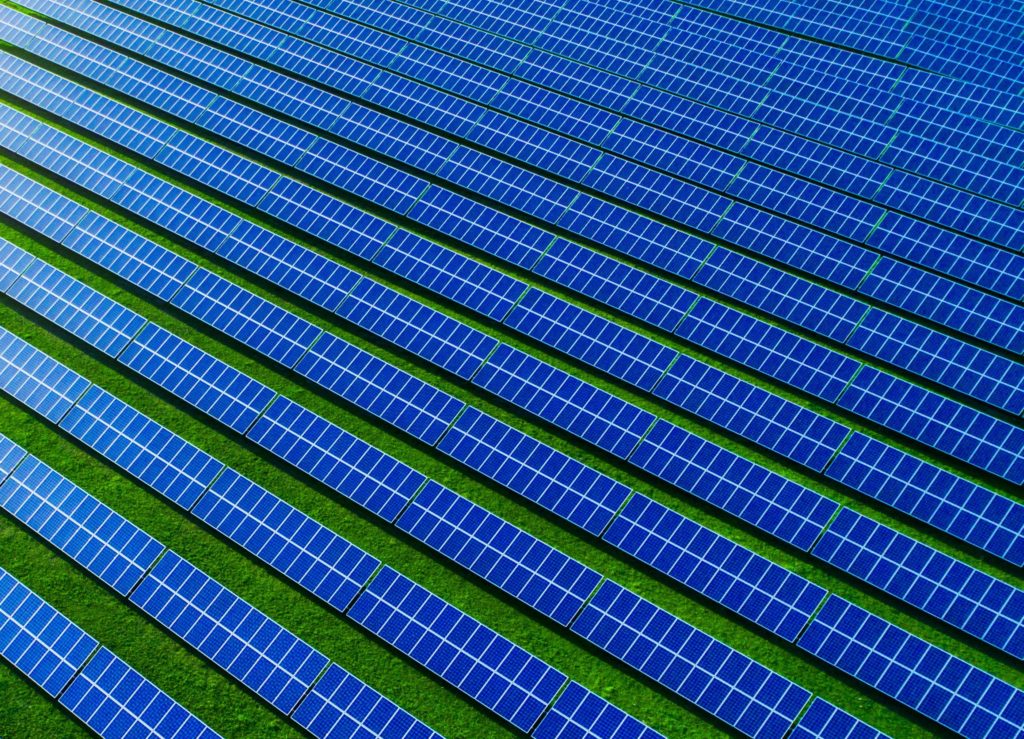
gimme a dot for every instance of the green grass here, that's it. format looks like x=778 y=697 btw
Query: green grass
x=233 y=711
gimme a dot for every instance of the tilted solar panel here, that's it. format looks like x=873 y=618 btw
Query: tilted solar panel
x=38 y=207
x=113 y=549
x=266 y=658
x=476 y=660
x=43 y=384
x=581 y=714
x=825 y=721
x=13 y=261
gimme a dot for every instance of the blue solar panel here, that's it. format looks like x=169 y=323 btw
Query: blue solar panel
x=448 y=273
x=77 y=308
x=104 y=543
x=476 y=660
x=257 y=323
x=425 y=332
x=500 y=553
x=13 y=261
x=43 y=384
x=559 y=483
x=287 y=539
x=601 y=343
x=564 y=400
x=37 y=206
x=641 y=295
x=747 y=410
x=739 y=691
x=38 y=640
x=825 y=721
x=10 y=455
x=929 y=680
x=339 y=460
x=380 y=388
x=115 y=701
x=974 y=437
x=782 y=295
x=581 y=714
x=128 y=255
x=727 y=573
x=773 y=351
x=242 y=641
x=196 y=377
x=955 y=364
x=990 y=319
x=760 y=497
x=141 y=447
x=937 y=583
x=341 y=705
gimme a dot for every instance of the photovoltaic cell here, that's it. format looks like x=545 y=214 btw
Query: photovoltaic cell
x=825 y=721
x=727 y=684
x=342 y=705
x=760 y=497
x=37 y=207
x=557 y=482
x=269 y=660
x=339 y=460
x=40 y=642
x=727 y=573
x=581 y=714
x=490 y=669
x=13 y=261
x=115 y=701
x=196 y=377
x=114 y=550
x=43 y=384
x=503 y=555
x=285 y=538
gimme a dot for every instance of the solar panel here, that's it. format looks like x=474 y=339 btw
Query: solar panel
x=746 y=583
x=161 y=459
x=259 y=324
x=129 y=256
x=450 y=274
x=983 y=441
x=284 y=537
x=799 y=434
x=339 y=460
x=10 y=455
x=955 y=364
x=937 y=583
x=962 y=509
x=113 y=549
x=77 y=308
x=760 y=497
x=636 y=293
x=114 y=700
x=502 y=554
x=825 y=721
x=33 y=378
x=553 y=480
x=581 y=714
x=773 y=351
x=380 y=388
x=37 y=207
x=929 y=680
x=727 y=684
x=37 y=640
x=342 y=705
x=580 y=408
x=594 y=340
x=13 y=261
x=427 y=333
x=481 y=663
x=196 y=377
x=266 y=658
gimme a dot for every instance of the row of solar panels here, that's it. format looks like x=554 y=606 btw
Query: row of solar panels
x=883 y=335
x=552 y=203
x=983 y=617
x=973 y=43
x=439 y=419
x=740 y=692
x=858 y=464
x=879 y=110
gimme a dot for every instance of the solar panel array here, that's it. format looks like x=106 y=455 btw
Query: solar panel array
x=749 y=254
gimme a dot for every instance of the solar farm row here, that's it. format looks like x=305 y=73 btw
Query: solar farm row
x=848 y=467
x=939 y=593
